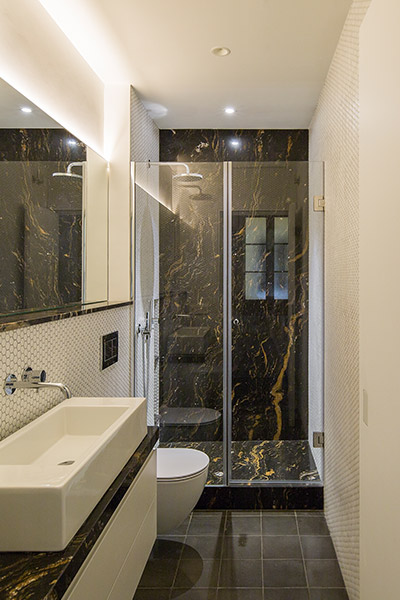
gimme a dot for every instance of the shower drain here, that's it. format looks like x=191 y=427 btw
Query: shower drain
x=65 y=463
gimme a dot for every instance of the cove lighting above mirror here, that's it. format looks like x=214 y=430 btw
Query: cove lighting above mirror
x=53 y=213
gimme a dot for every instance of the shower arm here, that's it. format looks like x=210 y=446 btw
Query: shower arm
x=169 y=164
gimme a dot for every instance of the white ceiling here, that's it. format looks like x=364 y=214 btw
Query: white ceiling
x=11 y=116
x=281 y=51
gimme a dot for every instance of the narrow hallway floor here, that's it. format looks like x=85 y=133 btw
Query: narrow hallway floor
x=245 y=555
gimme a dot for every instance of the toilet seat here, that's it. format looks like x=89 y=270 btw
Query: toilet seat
x=177 y=464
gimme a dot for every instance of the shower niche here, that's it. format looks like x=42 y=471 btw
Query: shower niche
x=227 y=364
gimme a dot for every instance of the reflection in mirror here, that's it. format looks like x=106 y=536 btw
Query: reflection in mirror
x=53 y=212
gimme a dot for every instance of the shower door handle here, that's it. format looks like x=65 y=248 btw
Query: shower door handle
x=235 y=322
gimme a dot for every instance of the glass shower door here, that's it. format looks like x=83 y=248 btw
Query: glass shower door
x=269 y=239
x=179 y=301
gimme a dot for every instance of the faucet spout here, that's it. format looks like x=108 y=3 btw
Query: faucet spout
x=33 y=380
x=64 y=389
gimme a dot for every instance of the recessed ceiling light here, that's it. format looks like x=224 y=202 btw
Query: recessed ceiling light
x=229 y=110
x=220 y=51
x=26 y=109
x=235 y=143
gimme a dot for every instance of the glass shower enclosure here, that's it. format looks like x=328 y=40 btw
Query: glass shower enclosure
x=228 y=277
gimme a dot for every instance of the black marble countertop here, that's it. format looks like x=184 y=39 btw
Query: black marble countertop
x=17 y=320
x=47 y=575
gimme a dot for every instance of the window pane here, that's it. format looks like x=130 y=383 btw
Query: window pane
x=256 y=286
x=281 y=230
x=255 y=258
x=281 y=257
x=256 y=231
x=281 y=286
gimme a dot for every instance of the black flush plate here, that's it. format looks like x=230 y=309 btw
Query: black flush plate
x=109 y=349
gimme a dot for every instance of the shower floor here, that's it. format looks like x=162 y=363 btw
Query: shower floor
x=285 y=460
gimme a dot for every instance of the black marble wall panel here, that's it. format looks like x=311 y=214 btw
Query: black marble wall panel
x=41 y=220
x=40 y=145
x=270 y=323
x=270 y=337
x=191 y=312
x=251 y=145
x=263 y=497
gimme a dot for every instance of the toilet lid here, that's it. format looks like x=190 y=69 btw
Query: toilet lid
x=175 y=463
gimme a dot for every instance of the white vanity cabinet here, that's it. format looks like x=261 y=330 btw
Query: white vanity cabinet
x=114 y=566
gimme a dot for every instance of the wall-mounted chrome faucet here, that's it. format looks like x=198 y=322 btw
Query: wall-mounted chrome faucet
x=32 y=380
x=146 y=330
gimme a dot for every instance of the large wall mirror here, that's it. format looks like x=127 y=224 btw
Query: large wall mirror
x=53 y=213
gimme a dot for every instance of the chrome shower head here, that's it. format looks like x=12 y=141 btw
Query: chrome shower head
x=69 y=172
x=187 y=177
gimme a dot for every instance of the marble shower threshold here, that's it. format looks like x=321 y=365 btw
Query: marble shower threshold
x=260 y=462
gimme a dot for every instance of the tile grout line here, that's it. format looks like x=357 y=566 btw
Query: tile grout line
x=262 y=554
x=180 y=557
x=302 y=556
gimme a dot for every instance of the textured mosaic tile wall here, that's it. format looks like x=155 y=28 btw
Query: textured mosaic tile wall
x=70 y=352
x=334 y=138
x=144 y=147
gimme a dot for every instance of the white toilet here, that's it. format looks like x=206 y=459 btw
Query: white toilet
x=181 y=477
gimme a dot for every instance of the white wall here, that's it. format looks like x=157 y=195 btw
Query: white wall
x=40 y=62
x=117 y=146
x=334 y=138
x=380 y=300
x=96 y=228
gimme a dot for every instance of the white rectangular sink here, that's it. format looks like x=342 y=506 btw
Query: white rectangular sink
x=54 y=471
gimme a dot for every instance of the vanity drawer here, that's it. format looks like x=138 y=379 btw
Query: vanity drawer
x=130 y=534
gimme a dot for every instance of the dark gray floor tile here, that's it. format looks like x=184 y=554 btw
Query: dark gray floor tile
x=324 y=573
x=180 y=530
x=159 y=572
x=170 y=547
x=281 y=546
x=284 y=573
x=151 y=594
x=319 y=546
x=244 y=512
x=197 y=573
x=312 y=526
x=242 y=546
x=279 y=525
x=310 y=513
x=208 y=513
x=193 y=594
x=207 y=546
x=239 y=594
x=286 y=594
x=244 y=524
x=213 y=525
x=327 y=594
x=278 y=513
x=240 y=573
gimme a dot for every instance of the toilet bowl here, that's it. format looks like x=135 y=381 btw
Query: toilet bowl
x=181 y=477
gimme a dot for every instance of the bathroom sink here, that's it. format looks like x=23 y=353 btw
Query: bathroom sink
x=54 y=471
